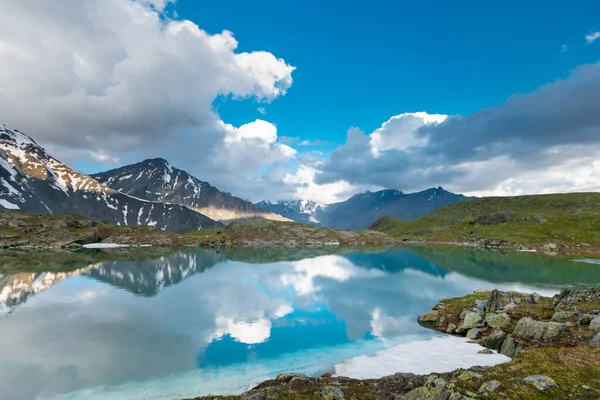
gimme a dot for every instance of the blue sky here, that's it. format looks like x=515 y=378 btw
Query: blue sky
x=358 y=65
x=482 y=98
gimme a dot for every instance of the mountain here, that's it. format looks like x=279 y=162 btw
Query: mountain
x=304 y=211
x=157 y=180
x=32 y=180
x=361 y=210
x=565 y=222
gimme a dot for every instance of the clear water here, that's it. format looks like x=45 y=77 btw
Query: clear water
x=199 y=322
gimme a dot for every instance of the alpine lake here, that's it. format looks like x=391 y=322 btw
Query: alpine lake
x=176 y=324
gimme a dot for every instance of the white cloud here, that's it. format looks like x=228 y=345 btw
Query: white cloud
x=592 y=36
x=117 y=80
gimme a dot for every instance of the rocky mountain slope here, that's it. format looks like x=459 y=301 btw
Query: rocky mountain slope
x=568 y=223
x=361 y=210
x=32 y=180
x=157 y=180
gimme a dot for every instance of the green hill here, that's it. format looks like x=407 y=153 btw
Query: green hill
x=571 y=221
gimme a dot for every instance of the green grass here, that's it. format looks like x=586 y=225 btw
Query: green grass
x=570 y=220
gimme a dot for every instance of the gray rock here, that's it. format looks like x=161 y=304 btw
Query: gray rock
x=286 y=377
x=485 y=351
x=482 y=304
x=497 y=320
x=595 y=324
x=472 y=333
x=540 y=382
x=468 y=375
x=494 y=340
x=531 y=329
x=499 y=300
x=489 y=387
x=330 y=393
x=568 y=298
x=430 y=316
x=451 y=328
x=595 y=340
x=562 y=316
x=509 y=347
x=470 y=321
x=585 y=319
x=551 y=247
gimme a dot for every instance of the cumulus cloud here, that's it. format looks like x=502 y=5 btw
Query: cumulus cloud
x=115 y=80
x=546 y=140
x=592 y=36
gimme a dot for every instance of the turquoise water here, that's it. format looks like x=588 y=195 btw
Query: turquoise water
x=199 y=322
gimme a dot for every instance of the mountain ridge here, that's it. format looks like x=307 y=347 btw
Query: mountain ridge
x=156 y=179
x=32 y=180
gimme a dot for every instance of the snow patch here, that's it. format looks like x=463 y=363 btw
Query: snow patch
x=104 y=246
x=8 y=205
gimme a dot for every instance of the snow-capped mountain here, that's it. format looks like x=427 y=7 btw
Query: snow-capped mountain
x=157 y=180
x=32 y=180
x=304 y=211
x=361 y=210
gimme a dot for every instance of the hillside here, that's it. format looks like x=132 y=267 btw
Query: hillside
x=570 y=221
x=32 y=180
x=257 y=232
x=157 y=180
x=361 y=210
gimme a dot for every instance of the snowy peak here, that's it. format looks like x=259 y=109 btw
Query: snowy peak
x=157 y=180
x=32 y=180
x=304 y=211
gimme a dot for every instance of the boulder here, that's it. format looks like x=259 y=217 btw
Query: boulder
x=435 y=388
x=499 y=300
x=595 y=340
x=569 y=298
x=286 y=377
x=529 y=328
x=429 y=316
x=489 y=387
x=510 y=348
x=330 y=393
x=562 y=316
x=540 y=382
x=468 y=375
x=470 y=321
x=497 y=320
x=595 y=324
x=472 y=333
x=494 y=340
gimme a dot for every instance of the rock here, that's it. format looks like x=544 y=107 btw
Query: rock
x=550 y=247
x=297 y=382
x=529 y=328
x=499 y=301
x=595 y=324
x=286 y=377
x=481 y=304
x=472 y=333
x=562 y=316
x=429 y=316
x=585 y=319
x=540 y=382
x=435 y=388
x=494 y=340
x=468 y=375
x=568 y=298
x=509 y=347
x=330 y=393
x=497 y=320
x=471 y=319
x=595 y=340
x=485 y=351
x=489 y=387
x=451 y=328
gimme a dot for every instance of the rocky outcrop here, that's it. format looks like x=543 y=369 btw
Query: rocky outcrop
x=507 y=300
x=569 y=299
x=529 y=328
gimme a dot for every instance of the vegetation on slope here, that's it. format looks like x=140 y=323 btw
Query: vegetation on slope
x=259 y=232
x=571 y=221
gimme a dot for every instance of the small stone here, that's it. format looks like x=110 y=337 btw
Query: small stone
x=595 y=340
x=540 y=382
x=489 y=387
x=485 y=351
x=330 y=393
x=497 y=320
x=595 y=324
x=585 y=387
x=472 y=333
x=468 y=375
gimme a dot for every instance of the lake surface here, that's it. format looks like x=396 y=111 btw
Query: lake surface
x=198 y=322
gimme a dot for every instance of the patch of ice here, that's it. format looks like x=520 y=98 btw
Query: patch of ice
x=438 y=354
x=104 y=246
